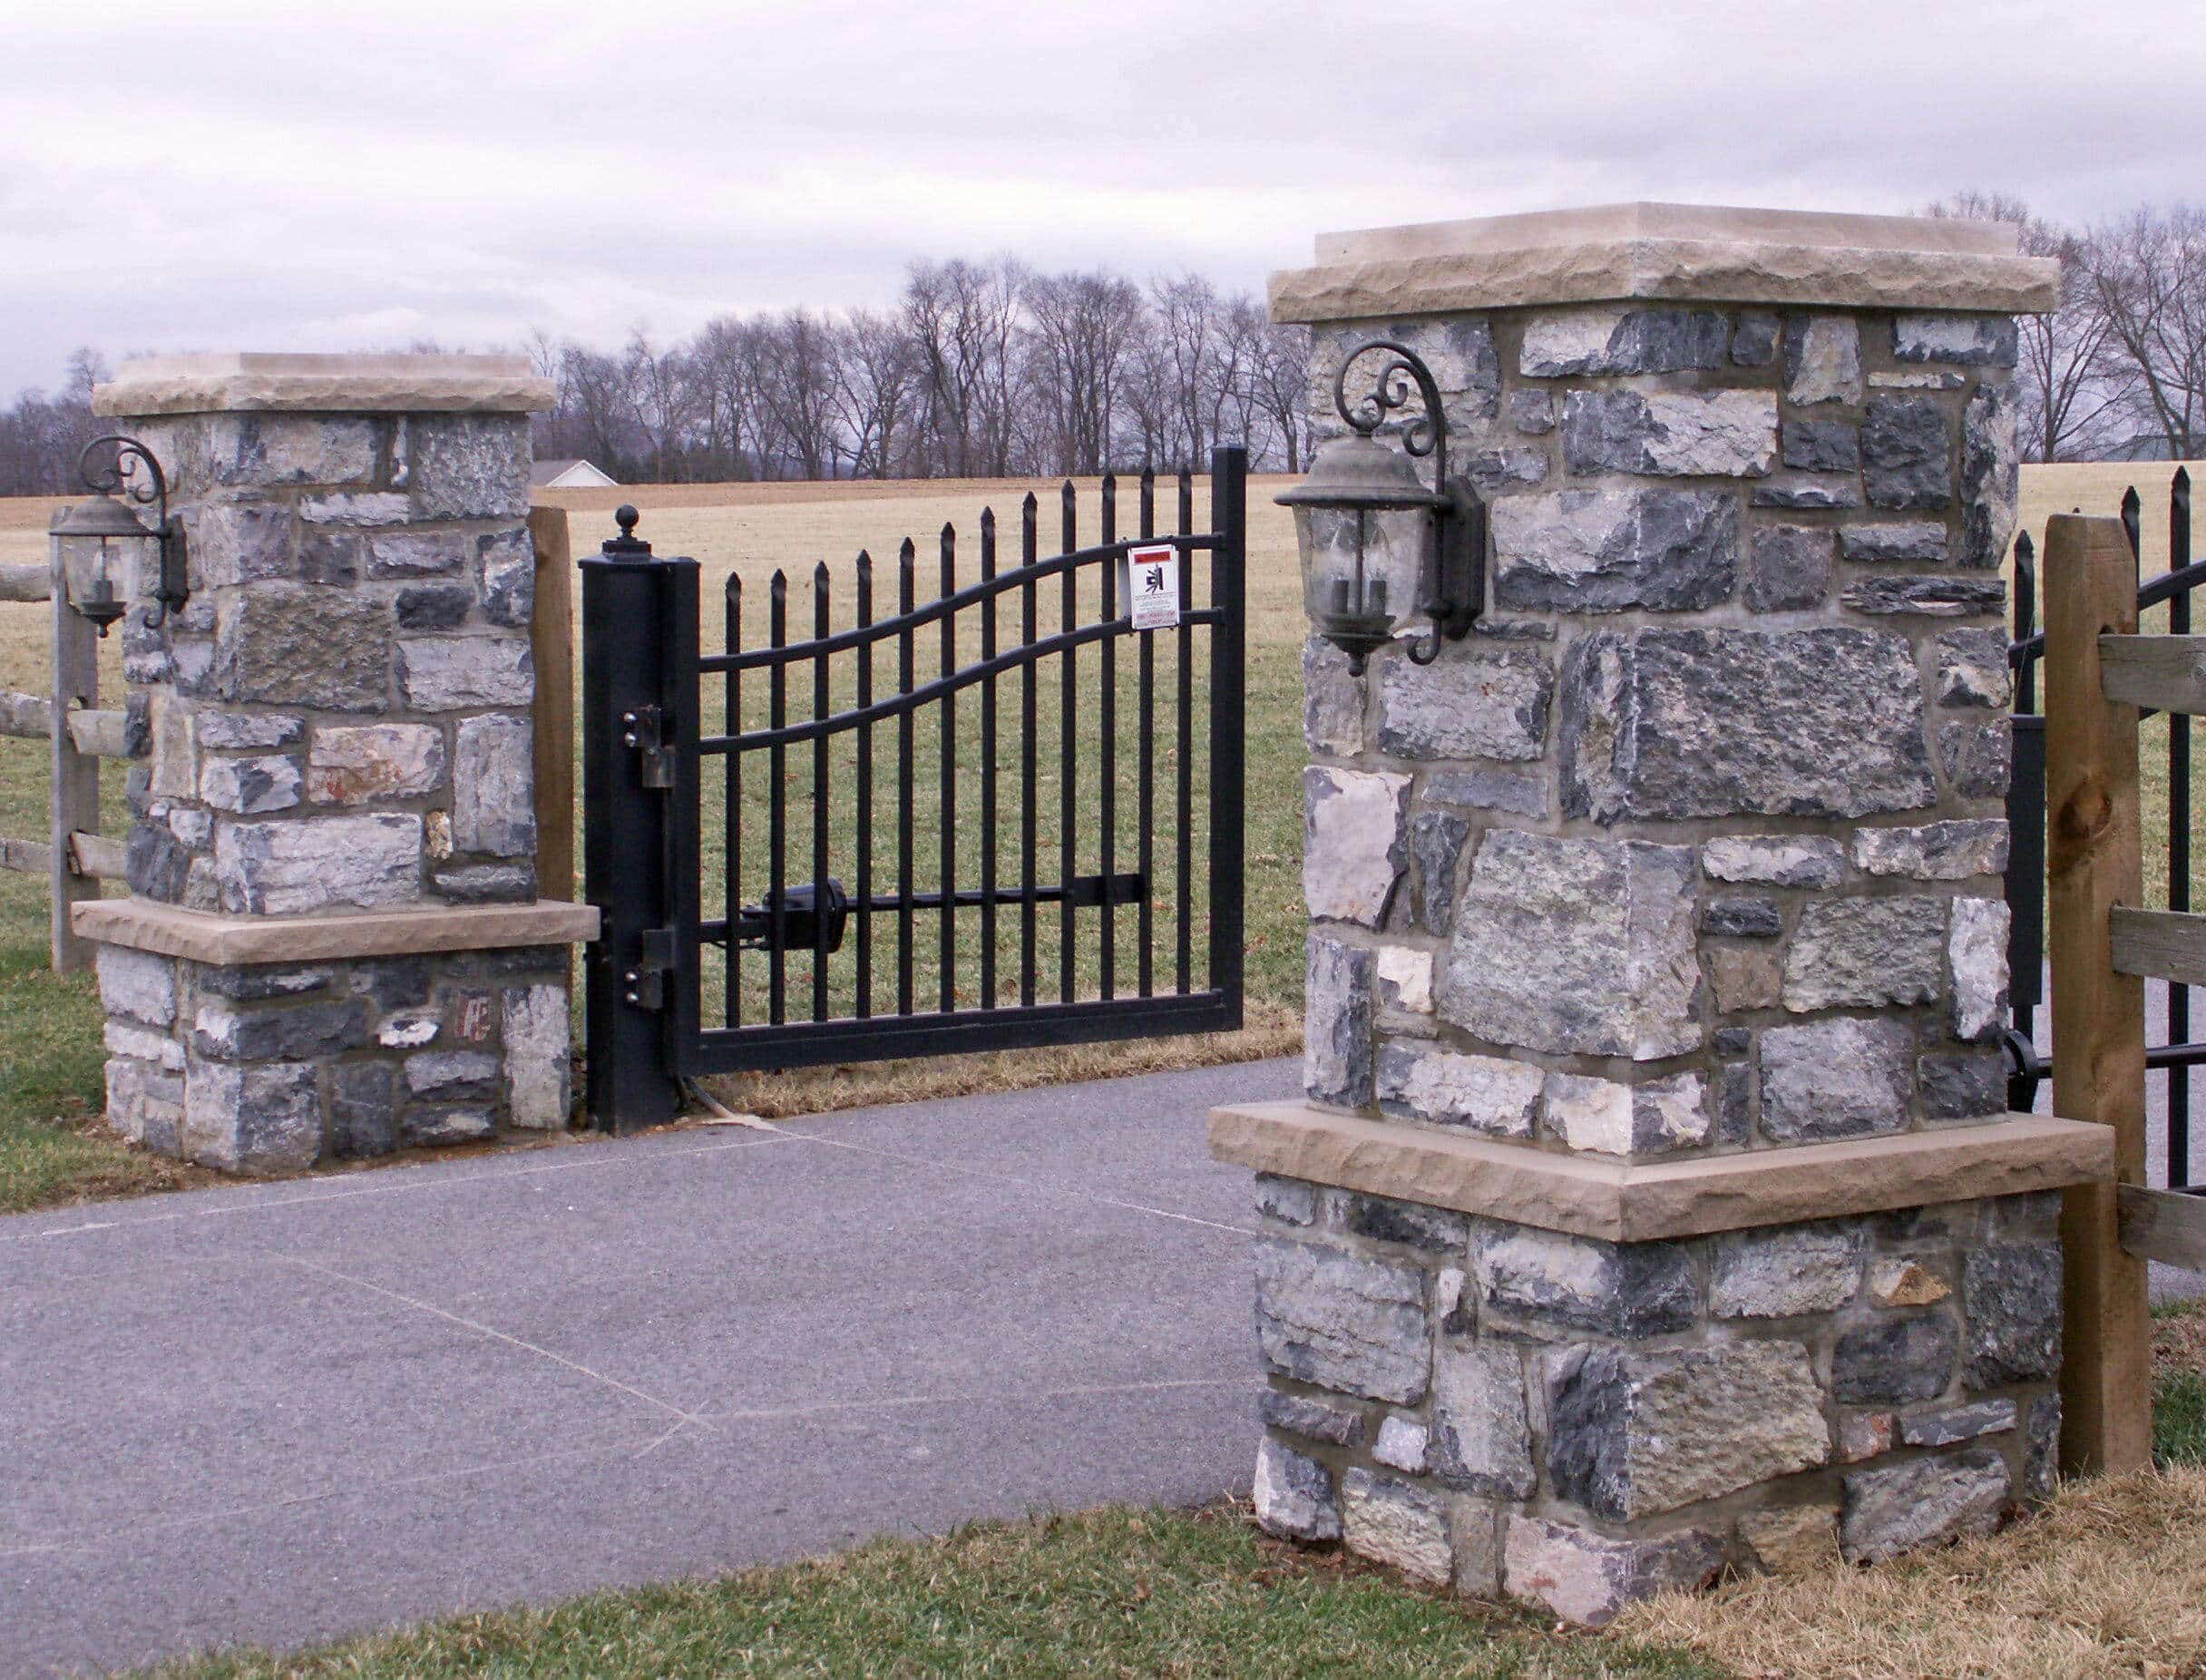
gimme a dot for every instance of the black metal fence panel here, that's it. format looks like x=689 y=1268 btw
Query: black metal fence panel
x=2171 y=1052
x=917 y=835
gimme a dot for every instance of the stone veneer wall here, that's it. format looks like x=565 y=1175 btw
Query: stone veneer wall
x=340 y=721
x=1694 y=846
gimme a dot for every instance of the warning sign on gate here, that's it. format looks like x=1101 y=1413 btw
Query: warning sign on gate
x=1153 y=587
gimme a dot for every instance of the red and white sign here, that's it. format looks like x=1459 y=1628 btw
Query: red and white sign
x=1153 y=587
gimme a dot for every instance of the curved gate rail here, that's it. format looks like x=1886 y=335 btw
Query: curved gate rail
x=800 y=923
x=2176 y=1053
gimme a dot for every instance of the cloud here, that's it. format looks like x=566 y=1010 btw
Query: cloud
x=237 y=174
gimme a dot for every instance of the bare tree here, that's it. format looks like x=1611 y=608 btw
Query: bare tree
x=1081 y=330
x=961 y=318
x=660 y=399
x=796 y=391
x=2148 y=274
x=877 y=380
x=1279 y=380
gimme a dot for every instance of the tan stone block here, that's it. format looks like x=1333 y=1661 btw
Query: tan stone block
x=1745 y=978
x=142 y=924
x=317 y=384
x=1905 y=1282
x=1794 y=1541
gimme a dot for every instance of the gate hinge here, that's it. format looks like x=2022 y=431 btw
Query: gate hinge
x=644 y=728
x=646 y=983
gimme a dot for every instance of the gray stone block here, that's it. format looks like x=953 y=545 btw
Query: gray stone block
x=1787 y=569
x=1932 y=598
x=446 y=1076
x=1532 y=412
x=1754 y=339
x=1589 y=1578
x=1950 y=1425
x=252 y=1117
x=507 y=560
x=1384 y=1219
x=1333 y=1319
x=1401 y=1444
x=1952 y=851
x=1674 y=434
x=331 y=557
x=1977 y=957
x=435 y=1127
x=494 y=788
x=1907 y=450
x=1822 y=446
x=290 y=868
x=362 y=1110
x=1481 y=1436
x=1577 y=945
x=1472 y=702
x=1743 y=917
x=1914 y=539
x=1973 y=669
x=1900 y=1507
x=1979 y=758
x=1631 y=1434
x=1860 y=952
x=1490 y=470
x=1991 y=476
x=1822 y=359
x=468 y=466
x=354 y=765
x=1609 y=340
x=250 y=785
x=1333 y=700
x=1894 y=1357
x=1314 y=1418
x=156 y=865
x=1836 y=1079
x=296 y=645
x=2041 y=1461
x=1661 y=724
x=485 y=884
x=2011 y=1298
x=1605 y=551
x=284 y=1032
x=136 y=984
x=1436 y=844
x=1488 y=791
x=1620 y=1289
x=453 y=673
x=1775 y=860
x=1483 y=1093
x=435 y=606
x=1353 y=850
x=1965 y=1086
x=257 y=982
x=1962 y=340
x=1290 y=1201
x=1293 y=1494
x=1786 y=1270
x=1790 y=489
x=237 y=731
x=1394 y=1523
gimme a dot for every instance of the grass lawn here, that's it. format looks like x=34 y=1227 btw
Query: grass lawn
x=2110 y=1580
x=49 y=1056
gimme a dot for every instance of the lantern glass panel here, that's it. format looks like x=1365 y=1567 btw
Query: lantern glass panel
x=101 y=573
x=1384 y=580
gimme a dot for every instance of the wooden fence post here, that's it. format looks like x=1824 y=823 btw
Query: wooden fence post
x=551 y=640
x=76 y=793
x=2093 y=863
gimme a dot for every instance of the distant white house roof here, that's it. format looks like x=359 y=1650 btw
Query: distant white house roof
x=572 y=474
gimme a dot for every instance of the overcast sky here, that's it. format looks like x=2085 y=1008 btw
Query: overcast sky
x=223 y=174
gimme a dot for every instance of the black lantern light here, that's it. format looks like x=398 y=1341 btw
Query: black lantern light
x=108 y=554
x=1373 y=539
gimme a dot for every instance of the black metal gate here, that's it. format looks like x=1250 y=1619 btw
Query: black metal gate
x=2176 y=1053
x=1029 y=883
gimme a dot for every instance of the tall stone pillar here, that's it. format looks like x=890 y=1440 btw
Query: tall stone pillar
x=333 y=945
x=1655 y=1207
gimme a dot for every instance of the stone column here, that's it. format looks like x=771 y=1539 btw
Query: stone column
x=1655 y=1207
x=332 y=946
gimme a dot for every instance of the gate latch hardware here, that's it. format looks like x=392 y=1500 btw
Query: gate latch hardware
x=646 y=983
x=802 y=909
x=806 y=906
x=644 y=728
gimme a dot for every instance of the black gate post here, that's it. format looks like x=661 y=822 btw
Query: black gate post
x=634 y=702
x=1228 y=726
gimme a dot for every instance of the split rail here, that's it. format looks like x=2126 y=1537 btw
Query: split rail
x=75 y=856
x=2100 y=678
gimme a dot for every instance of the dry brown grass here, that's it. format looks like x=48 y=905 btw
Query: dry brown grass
x=2109 y=1580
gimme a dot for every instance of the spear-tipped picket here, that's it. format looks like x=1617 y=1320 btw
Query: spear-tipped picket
x=1029 y=543
x=777 y=716
x=907 y=582
x=987 y=760
x=821 y=619
x=1069 y=772
x=863 y=795
x=732 y=781
x=947 y=915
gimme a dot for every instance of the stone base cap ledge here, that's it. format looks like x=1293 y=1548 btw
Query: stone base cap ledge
x=255 y=381
x=1703 y=253
x=1635 y=1202
x=229 y=941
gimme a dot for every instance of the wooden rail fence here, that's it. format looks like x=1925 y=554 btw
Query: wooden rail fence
x=2099 y=675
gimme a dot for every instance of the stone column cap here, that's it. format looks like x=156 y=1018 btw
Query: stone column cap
x=254 y=381
x=1690 y=252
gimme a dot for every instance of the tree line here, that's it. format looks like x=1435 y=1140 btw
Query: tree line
x=981 y=369
x=989 y=368
x=2123 y=358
